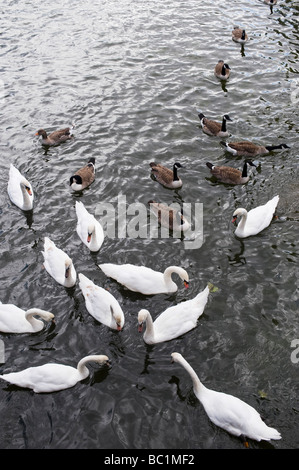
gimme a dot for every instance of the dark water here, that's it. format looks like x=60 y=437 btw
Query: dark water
x=131 y=76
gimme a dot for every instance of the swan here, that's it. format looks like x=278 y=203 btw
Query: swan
x=256 y=219
x=229 y=175
x=174 y=321
x=101 y=304
x=214 y=128
x=15 y=320
x=165 y=176
x=145 y=280
x=222 y=70
x=56 y=137
x=228 y=412
x=88 y=228
x=19 y=189
x=84 y=176
x=58 y=264
x=52 y=377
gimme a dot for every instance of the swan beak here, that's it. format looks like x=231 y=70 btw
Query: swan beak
x=186 y=284
x=29 y=191
x=67 y=272
x=234 y=219
x=88 y=237
x=140 y=327
x=118 y=327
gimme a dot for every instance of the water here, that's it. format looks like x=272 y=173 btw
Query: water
x=132 y=76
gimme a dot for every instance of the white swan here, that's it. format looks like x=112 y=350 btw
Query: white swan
x=101 y=304
x=88 y=228
x=145 y=280
x=174 y=321
x=228 y=412
x=52 y=377
x=19 y=189
x=15 y=320
x=256 y=219
x=58 y=264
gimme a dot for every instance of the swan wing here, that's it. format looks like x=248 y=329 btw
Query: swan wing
x=12 y=319
x=181 y=318
x=260 y=217
x=136 y=278
x=45 y=378
x=99 y=301
x=236 y=416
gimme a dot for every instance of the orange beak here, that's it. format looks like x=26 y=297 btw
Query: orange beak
x=88 y=238
x=186 y=284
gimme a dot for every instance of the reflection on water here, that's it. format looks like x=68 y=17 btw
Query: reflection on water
x=132 y=76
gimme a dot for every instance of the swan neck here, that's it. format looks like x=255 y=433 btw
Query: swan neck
x=29 y=315
x=197 y=385
x=149 y=325
x=168 y=272
x=81 y=367
x=243 y=220
x=26 y=197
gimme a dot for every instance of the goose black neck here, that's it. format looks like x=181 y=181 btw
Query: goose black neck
x=244 y=172
x=243 y=34
x=223 y=127
x=175 y=173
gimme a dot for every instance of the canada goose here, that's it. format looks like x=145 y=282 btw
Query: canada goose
x=84 y=176
x=249 y=149
x=165 y=176
x=222 y=70
x=56 y=137
x=239 y=35
x=214 y=128
x=169 y=217
x=229 y=175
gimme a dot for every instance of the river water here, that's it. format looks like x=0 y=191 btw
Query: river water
x=132 y=77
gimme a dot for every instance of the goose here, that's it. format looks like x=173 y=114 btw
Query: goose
x=229 y=175
x=56 y=137
x=227 y=411
x=174 y=321
x=165 y=176
x=169 y=217
x=256 y=220
x=239 y=35
x=84 y=176
x=15 y=320
x=145 y=280
x=249 y=149
x=214 y=128
x=52 y=377
x=19 y=189
x=102 y=305
x=222 y=70
x=58 y=264
x=88 y=228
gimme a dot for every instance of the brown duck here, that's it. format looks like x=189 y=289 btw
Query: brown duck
x=56 y=137
x=84 y=176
